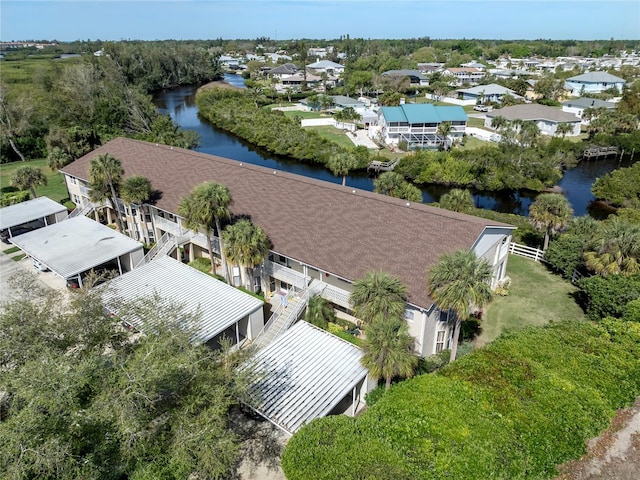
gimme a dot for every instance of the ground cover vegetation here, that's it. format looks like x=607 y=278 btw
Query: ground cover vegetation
x=81 y=398
x=514 y=409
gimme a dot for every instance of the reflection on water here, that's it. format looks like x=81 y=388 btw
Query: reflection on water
x=180 y=104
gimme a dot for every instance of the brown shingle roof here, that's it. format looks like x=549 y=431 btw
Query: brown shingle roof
x=341 y=230
x=533 y=111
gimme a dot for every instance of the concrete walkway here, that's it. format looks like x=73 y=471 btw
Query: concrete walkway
x=9 y=267
x=361 y=138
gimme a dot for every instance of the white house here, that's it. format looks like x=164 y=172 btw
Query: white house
x=593 y=82
x=415 y=76
x=577 y=106
x=324 y=236
x=326 y=66
x=546 y=118
x=464 y=75
x=492 y=93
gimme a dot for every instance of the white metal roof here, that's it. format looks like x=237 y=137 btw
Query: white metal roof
x=303 y=375
x=219 y=305
x=28 y=211
x=75 y=245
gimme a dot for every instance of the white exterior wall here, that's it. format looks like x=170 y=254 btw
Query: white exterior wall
x=493 y=246
x=577 y=87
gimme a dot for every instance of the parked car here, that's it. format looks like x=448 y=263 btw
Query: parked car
x=95 y=276
x=481 y=108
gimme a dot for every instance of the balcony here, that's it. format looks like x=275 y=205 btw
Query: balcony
x=285 y=274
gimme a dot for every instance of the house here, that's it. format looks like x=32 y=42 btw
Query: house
x=283 y=71
x=229 y=62
x=476 y=65
x=75 y=246
x=460 y=76
x=417 y=124
x=211 y=308
x=326 y=66
x=415 y=76
x=305 y=374
x=319 y=52
x=593 y=82
x=324 y=236
x=482 y=94
x=30 y=215
x=577 y=106
x=546 y=118
x=295 y=82
x=276 y=57
x=429 y=68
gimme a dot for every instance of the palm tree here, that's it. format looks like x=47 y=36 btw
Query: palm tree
x=206 y=205
x=105 y=174
x=550 y=213
x=135 y=190
x=616 y=249
x=28 y=178
x=564 y=128
x=499 y=122
x=246 y=245
x=457 y=200
x=444 y=130
x=378 y=295
x=456 y=282
x=394 y=185
x=388 y=350
x=320 y=312
x=58 y=158
x=342 y=164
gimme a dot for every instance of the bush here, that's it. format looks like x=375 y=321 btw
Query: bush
x=514 y=409
x=565 y=253
x=607 y=296
x=11 y=198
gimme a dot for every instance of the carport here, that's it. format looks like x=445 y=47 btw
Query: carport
x=306 y=373
x=75 y=246
x=219 y=309
x=30 y=215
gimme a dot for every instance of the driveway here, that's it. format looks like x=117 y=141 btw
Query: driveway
x=9 y=267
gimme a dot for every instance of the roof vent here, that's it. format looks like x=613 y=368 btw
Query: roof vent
x=353 y=191
x=241 y=164
x=408 y=204
x=275 y=173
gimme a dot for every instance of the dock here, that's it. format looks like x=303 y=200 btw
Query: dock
x=377 y=166
x=600 y=152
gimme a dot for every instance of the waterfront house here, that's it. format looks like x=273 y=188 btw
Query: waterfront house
x=593 y=82
x=546 y=118
x=324 y=236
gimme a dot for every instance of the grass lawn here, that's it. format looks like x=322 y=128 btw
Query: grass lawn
x=475 y=122
x=536 y=297
x=11 y=250
x=471 y=142
x=55 y=188
x=304 y=115
x=333 y=135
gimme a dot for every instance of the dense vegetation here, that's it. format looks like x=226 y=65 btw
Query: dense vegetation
x=237 y=112
x=78 y=103
x=620 y=187
x=81 y=398
x=514 y=409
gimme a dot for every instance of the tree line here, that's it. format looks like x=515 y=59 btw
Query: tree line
x=68 y=107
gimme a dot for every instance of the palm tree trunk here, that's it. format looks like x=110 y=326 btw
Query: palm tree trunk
x=387 y=384
x=344 y=180
x=225 y=267
x=114 y=201
x=211 y=257
x=546 y=241
x=454 y=341
x=32 y=189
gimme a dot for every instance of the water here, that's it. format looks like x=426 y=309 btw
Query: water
x=180 y=104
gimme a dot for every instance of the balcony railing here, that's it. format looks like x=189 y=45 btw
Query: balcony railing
x=286 y=274
x=336 y=295
x=177 y=230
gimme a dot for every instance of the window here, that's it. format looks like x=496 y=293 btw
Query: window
x=272 y=284
x=408 y=314
x=73 y=180
x=440 y=341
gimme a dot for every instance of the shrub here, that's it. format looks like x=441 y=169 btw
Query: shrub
x=11 y=198
x=607 y=297
x=514 y=409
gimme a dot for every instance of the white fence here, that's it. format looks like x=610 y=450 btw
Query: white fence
x=318 y=122
x=528 y=252
x=454 y=101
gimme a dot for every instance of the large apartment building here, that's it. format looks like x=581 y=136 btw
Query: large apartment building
x=324 y=236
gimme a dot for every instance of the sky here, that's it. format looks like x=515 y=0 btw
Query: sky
x=68 y=20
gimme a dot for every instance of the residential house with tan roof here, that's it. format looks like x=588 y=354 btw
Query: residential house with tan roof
x=324 y=236
x=464 y=75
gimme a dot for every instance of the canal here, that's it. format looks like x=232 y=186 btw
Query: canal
x=180 y=104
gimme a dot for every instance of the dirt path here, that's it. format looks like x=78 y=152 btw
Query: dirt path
x=613 y=455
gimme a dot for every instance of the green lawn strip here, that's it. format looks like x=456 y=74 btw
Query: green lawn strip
x=333 y=135
x=536 y=297
x=304 y=114
x=17 y=258
x=11 y=250
x=471 y=143
x=475 y=122
x=55 y=188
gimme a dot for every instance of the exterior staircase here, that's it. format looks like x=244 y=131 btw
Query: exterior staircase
x=165 y=244
x=282 y=319
x=84 y=211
